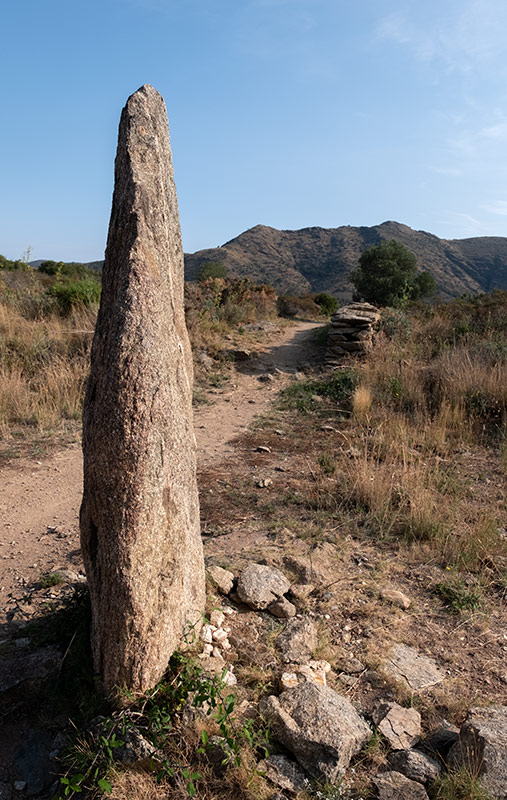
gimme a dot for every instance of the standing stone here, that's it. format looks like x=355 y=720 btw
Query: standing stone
x=140 y=531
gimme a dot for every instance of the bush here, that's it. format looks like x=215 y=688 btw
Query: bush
x=290 y=306
x=75 y=293
x=327 y=302
x=12 y=266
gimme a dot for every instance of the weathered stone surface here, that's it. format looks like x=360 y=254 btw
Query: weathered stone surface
x=394 y=786
x=298 y=641
x=299 y=593
x=140 y=530
x=482 y=748
x=350 y=664
x=222 y=578
x=282 y=608
x=17 y=666
x=414 y=670
x=396 y=597
x=284 y=773
x=415 y=765
x=259 y=585
x=320 y=727
x=401 y=726
x=134 y=748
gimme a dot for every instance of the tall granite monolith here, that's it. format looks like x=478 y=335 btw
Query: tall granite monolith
x=140 y=531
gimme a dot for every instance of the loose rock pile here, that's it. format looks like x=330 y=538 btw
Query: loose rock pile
x=351 y=330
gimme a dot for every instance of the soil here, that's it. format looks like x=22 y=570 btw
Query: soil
x=39 y=504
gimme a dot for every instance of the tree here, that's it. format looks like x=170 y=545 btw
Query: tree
x=212 y=269
x=387 y=276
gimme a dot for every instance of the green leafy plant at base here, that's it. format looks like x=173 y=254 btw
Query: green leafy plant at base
x=48 y=579
x=155 y=716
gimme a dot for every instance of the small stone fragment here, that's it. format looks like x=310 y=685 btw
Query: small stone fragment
x=219 y=635
x=284 y=773
x=401 y=726
x=263 y=483
x=394 y=786
x=350 y=664
x=222 y=578
x=259 y=585
x=300 y=592
x=415 y=765
x=217 y=617
x=397 y=598
x=207 y=634
x=262 y=449
x=282 y=608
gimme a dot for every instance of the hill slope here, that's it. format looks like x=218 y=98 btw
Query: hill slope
x=320 y=259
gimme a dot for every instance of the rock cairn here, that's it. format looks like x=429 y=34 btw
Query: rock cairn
x=140 y=530
x=351 y=330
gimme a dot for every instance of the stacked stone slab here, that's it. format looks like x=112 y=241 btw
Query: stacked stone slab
x=351 y=330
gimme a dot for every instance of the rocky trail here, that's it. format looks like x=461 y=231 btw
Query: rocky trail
x=39 y=501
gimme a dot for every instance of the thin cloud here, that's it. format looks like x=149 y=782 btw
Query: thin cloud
x=499 y=207
x=452 y=172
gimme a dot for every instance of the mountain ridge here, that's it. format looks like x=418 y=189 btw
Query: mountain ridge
x=317 y=259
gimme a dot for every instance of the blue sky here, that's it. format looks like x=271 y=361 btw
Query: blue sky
x=288 y=113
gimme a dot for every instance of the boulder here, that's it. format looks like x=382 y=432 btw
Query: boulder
x=482 y=748
x=400 y=726
x=394 y=786
x=259 y=585
x=282 y=608
x=221 y=578
x=298 y=641
x=415 y=765
x=320 y=727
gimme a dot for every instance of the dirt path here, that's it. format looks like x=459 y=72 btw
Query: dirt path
x=39 y=500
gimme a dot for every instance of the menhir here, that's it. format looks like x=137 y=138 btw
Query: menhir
x=140 y=531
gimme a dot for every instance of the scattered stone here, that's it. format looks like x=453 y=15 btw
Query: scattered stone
x=19 y=786
x=320 y=727
x=139 y=515
x=401 y=726
x=314 y=671
x=298 y=641
x=415 y=765
x=284 y=773
x=417 y=672
x=134 y=748
x=298 y=376
x=240 y=354
x=222 y=579
x=207 y=634
x=482 y=748
x=219 y=635
x=300 y=592
x=267 y=378
x=205 y=360
x=217 y=617
x=394 y=786
x=350 y=664
x=397 y=598
x=263 y=483
x=262 y=449
x=259 y=585
x=282 y=608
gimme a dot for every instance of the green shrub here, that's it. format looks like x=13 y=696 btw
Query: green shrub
x=75 y=293
x=291 y=306
x=327 y=302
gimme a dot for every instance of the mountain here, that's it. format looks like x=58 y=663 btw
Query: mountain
x=320 y=259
